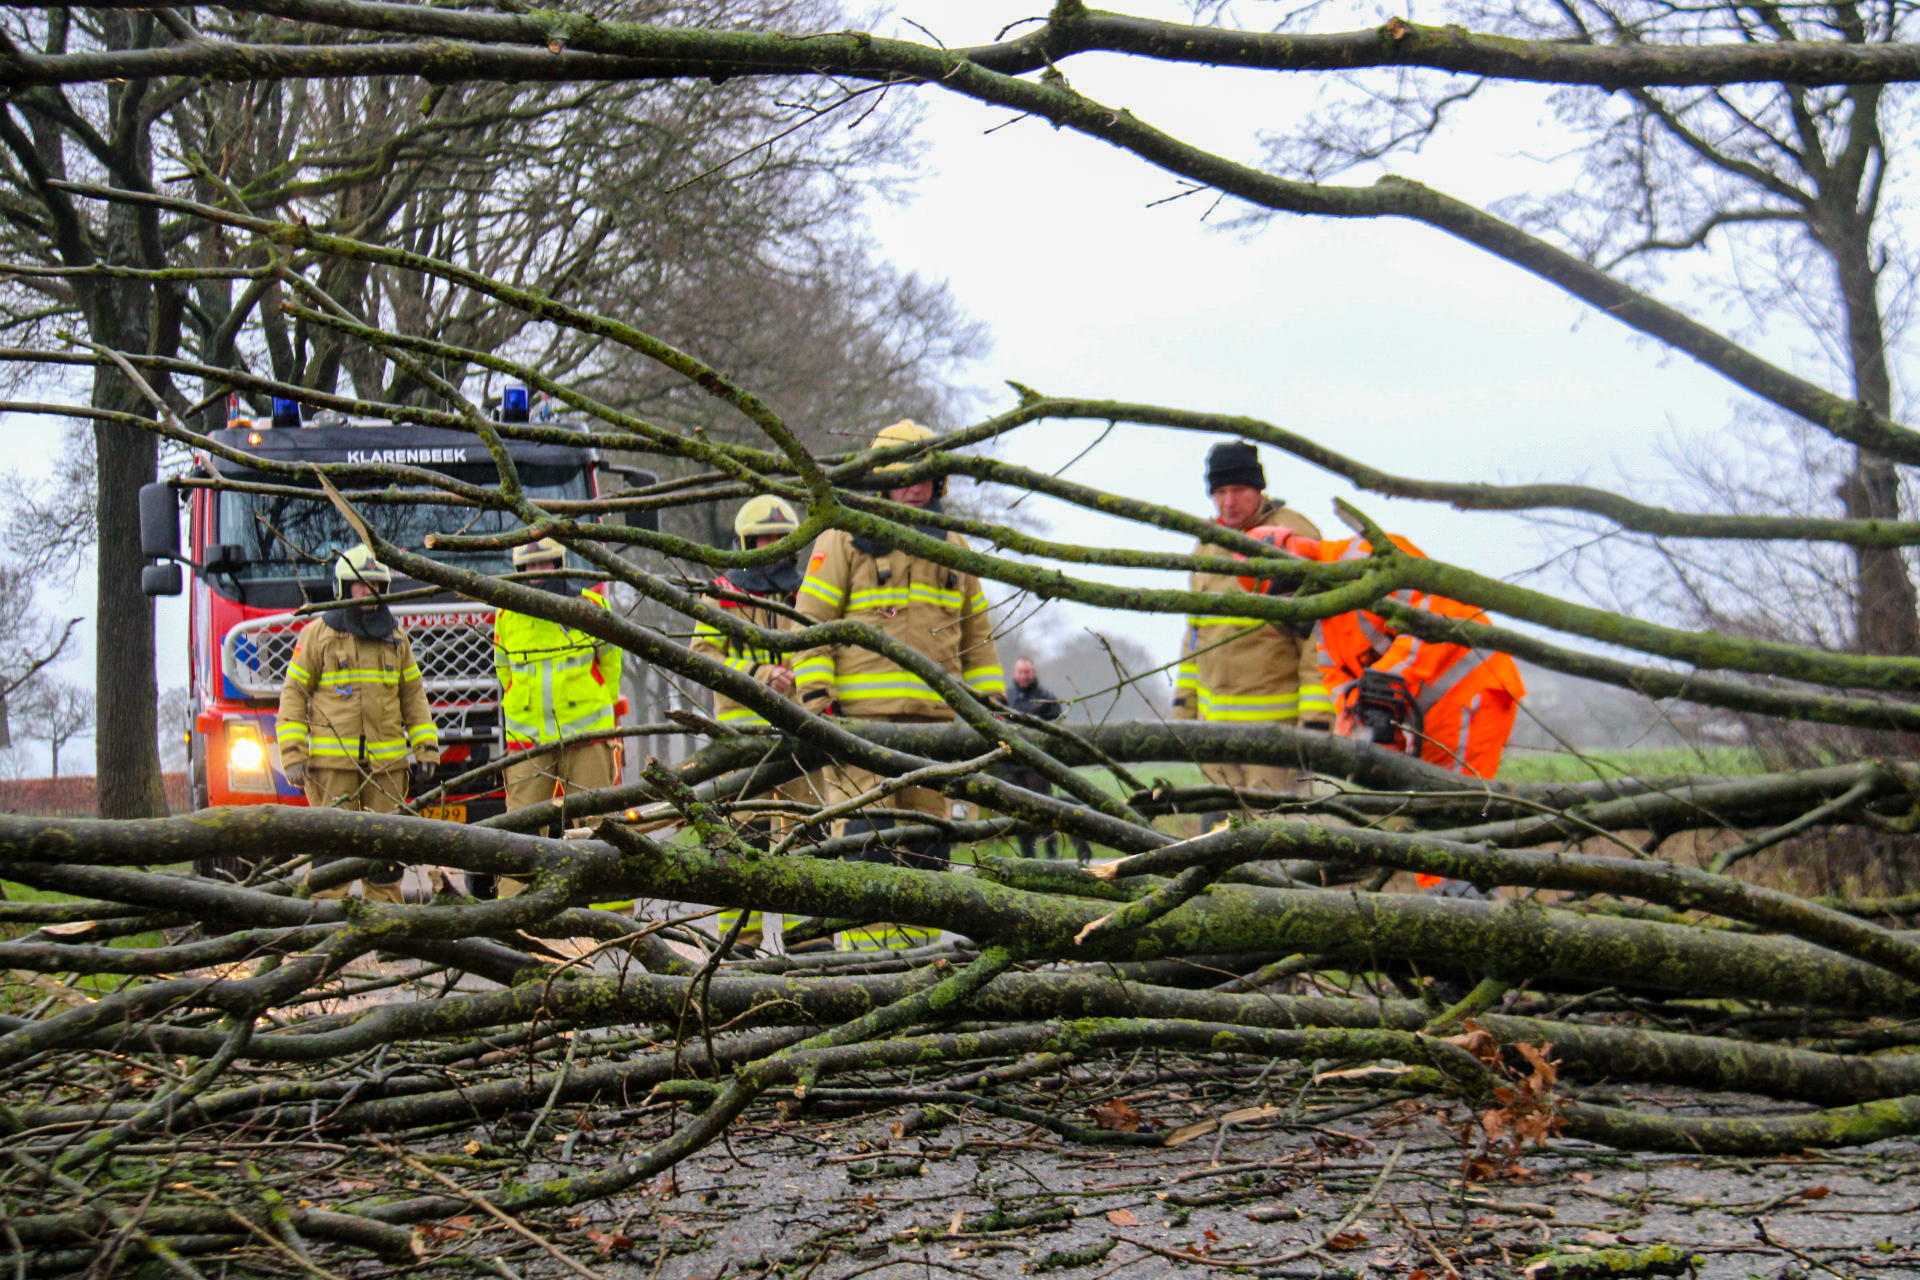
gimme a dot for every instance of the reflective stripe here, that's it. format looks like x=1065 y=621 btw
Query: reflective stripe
x=1244 y=708
x=1466 y=726
x=814 y=671
x=826 y=593
x=887 y=937
x=335 y=679
x=1379 y=637
x=290 y=731
x=724 y=921
x=350 y=748
x=1439 y=686
x=987 y=679
x=1314 y=701
x=297 y=672
x=885 y=684
x=1200 y=621
x=901 y=597
x=420 y=733
x=737 y=714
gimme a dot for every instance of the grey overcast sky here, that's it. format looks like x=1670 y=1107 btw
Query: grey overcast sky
x=1389 y=341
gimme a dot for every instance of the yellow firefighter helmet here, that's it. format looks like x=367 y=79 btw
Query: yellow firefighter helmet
x=538 y=553
x=357 y=564
x=764 y=514
x=907 y=431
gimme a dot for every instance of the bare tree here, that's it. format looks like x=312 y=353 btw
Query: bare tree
x=56 y=712
x=1051 y=964
x=176 y=722
x=607 y=190
x=33 y=641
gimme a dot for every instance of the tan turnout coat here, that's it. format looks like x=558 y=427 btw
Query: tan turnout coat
x=1262 y=671
x=351 y=702
x=938 y=611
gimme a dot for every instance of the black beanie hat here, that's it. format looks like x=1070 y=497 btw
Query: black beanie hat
x=1234 y=462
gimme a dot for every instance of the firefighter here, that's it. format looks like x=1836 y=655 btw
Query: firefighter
x=941 y=612
x=1237 y=670
x=353 y=710
x=555 y=682
x=760 y=522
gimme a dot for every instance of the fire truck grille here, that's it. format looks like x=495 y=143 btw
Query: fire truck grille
x=453 y=647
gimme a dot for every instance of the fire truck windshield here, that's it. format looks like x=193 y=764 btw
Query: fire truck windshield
x=287 y=545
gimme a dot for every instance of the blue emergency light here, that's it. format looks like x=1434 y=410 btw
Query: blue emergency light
x=286 y=413
x=513 y=404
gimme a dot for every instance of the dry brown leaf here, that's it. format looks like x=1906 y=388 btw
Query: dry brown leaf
x=1348 y=1241
x=953 y=1226
x=1814 y=1193
x=606 y=1242
x=472 y=1148
x=1115 y=1115
x=1122 y=1218
x=1478 y=1041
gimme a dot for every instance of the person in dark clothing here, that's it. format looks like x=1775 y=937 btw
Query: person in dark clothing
x=1026 y=694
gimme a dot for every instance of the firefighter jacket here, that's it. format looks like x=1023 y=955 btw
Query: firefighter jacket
x=1463 y=699
x=554 y=681
x=755 y=663
x=353 y=701
x=1246 y=670
x=939 y=611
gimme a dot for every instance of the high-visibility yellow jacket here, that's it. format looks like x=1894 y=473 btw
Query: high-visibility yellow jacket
x=756 y=663
x=554 y=680
x=352 y=701
x=1236 y=669
x=939 y=611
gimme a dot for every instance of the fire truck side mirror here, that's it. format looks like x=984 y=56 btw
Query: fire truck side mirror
x=159 y=522
x=160 y=580
x=635 y=479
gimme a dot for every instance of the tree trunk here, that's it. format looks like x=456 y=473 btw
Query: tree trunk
x=1886 y=608
x=128 y=315
x=126 y=690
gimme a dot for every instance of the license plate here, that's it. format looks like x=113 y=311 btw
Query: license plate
x=445 y=812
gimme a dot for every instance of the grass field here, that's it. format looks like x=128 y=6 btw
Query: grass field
x=1561 y=766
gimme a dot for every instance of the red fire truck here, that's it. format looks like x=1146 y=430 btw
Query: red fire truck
x=257 y=557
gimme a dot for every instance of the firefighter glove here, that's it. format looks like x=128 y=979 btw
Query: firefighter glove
x=296 y=773
x=419 y=778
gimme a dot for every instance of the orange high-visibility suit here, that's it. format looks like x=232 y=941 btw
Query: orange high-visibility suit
x=1464 y=700
x=1461 y=701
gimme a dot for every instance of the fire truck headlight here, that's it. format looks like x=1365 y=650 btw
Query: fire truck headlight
x=247 y=758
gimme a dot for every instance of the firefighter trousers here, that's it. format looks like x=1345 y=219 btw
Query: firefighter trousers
x=584 y=766
x=764 y=833
x=383 y=791
x=843 y=783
